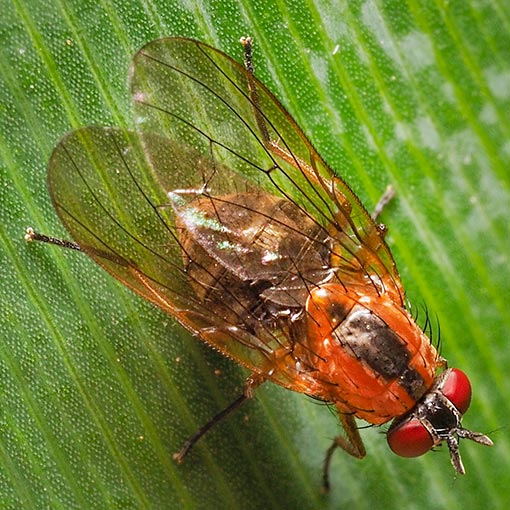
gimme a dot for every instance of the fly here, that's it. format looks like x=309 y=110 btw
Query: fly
x=219 y=210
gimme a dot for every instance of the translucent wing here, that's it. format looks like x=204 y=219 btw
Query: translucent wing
x=219 y=211
x=191 y=92
x=107 y=194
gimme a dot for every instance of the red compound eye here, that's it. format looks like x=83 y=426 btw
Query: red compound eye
x=410 y=439
x=457 y=389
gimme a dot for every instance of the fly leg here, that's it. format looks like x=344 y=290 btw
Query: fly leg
x=31 y=235
x=375 y=236
x=385 y=199
x=252 y=88
x=308 y=168
x=276 y=146
x=251 y=384
x=351 y=443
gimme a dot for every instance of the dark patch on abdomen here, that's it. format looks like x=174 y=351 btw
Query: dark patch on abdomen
x=371 y=341
x=413 y=383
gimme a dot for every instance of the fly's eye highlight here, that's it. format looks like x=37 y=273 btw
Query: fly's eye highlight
x=457 y=389
x=410 y=439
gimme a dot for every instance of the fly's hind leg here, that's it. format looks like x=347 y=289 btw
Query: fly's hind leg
x=31 y=235
x=276 y=146
x=351 y=443
x=273 y=145
x=252 y=89
x=251 y=384
x=281 y=151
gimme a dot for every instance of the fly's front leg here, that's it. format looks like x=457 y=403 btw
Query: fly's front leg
x=252 y=382
x=351 y=443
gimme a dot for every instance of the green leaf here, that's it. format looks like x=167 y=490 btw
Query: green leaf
x=99 y=388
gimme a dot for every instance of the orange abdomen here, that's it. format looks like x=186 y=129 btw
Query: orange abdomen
x=371 y=358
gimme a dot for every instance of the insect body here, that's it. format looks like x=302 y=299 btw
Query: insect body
x=220 y=211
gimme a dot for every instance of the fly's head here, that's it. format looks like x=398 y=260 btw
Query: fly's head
x=436 y=418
